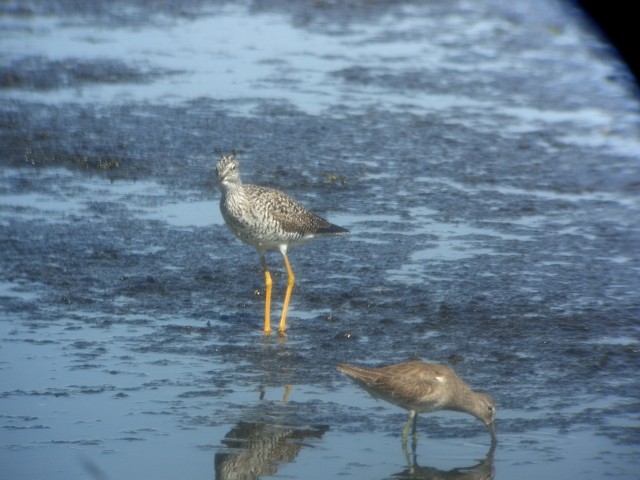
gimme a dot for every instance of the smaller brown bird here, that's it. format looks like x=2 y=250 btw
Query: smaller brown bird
x=423 y=388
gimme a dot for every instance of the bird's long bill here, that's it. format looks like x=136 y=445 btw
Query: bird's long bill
x=492 y=430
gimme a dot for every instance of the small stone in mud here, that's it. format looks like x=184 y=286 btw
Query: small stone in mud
x=455 y=358
x=345 y=336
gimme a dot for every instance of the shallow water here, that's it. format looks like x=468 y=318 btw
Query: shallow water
x=485 y=157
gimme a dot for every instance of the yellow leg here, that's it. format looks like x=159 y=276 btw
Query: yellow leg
x=287 y=392
x=267 y=300
x=291 y=279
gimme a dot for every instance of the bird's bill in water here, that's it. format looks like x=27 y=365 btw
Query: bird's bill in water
x=492 y=431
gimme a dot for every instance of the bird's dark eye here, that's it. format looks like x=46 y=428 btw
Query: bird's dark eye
x=490 y=408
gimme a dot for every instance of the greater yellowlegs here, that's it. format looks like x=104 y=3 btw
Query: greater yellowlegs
x=424 y=388
x=267 y=219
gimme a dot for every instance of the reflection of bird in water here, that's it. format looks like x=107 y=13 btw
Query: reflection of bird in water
x=285 y=394
x=254 y=450
x=481 y=471
x=267 y=219
x=423 y=388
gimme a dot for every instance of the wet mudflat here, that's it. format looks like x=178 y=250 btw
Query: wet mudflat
x=484 y=155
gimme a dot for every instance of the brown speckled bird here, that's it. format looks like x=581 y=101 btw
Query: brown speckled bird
x=268 y=219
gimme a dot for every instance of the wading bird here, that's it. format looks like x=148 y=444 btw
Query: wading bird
x=268 y=219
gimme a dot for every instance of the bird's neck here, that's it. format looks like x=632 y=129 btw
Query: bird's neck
x=464 y=400
x=232 y=187
x=476 y=406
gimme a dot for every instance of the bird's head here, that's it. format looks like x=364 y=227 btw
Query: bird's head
x=228 y=170
x=485 y=410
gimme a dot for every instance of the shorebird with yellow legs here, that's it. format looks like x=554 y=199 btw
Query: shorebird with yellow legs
x=268 y=220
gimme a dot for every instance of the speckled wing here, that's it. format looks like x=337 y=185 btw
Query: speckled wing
x=290 y=216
